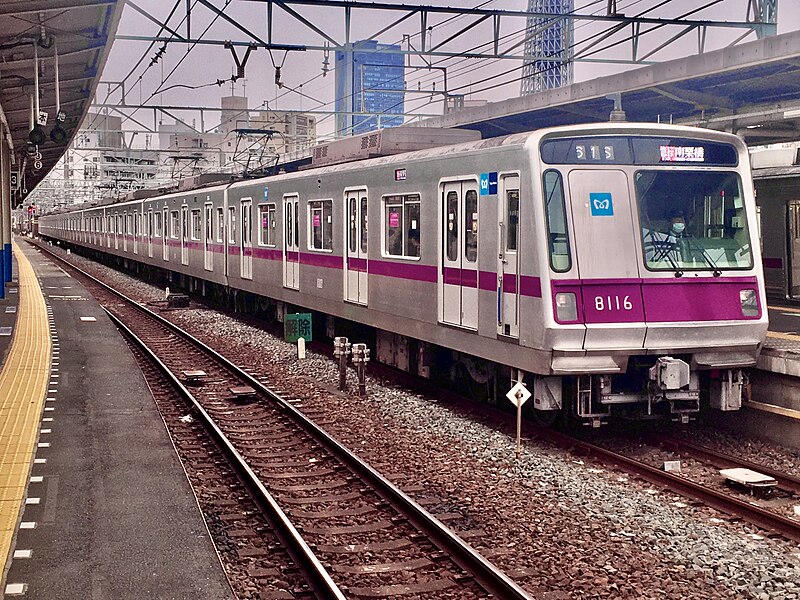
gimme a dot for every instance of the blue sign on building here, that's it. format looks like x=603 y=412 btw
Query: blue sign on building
x=488 y=182
x=602 y=204
x=266 y=193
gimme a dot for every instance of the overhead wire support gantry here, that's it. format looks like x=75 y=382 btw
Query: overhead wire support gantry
x=760 y=19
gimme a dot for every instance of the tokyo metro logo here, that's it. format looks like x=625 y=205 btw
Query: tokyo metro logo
x=601 y=204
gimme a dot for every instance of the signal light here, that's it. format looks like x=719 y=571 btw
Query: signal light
x=37 y=135
x=58 y=135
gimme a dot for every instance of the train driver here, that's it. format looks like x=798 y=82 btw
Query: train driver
x=677 y=226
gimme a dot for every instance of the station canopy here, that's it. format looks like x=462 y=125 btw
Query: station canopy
x=750 y=89
x=80 y=31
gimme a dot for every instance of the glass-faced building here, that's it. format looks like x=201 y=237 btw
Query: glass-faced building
x=369 y=79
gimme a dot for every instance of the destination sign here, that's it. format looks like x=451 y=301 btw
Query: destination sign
x=637 y=150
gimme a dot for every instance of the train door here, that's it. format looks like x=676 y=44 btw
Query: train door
x=291 y=245
x=149 y=233
x=184 y=235
x=208 y=238
x=603 y=227
x=355 y=264
x=136 y=229
x=220 y=233
x=458 y=287
x=126 y=230
x=165 y=233
x=247 y=239
x=507 y=257
x=793 y=247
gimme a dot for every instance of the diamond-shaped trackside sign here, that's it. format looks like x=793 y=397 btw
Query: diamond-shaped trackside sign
x=518 y=394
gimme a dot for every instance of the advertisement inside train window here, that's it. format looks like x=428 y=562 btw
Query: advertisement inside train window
x=636 y=150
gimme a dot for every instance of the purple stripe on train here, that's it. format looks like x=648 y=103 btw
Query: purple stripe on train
x=404 y=270
x=329 y=261
x=772 y=262
x=658 y=300
x=693 y=300
x=484 y=280
x=357 y=264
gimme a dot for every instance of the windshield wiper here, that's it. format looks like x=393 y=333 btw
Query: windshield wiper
x=663 y=252
x=704 y=254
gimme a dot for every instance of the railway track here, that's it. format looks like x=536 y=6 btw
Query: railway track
x=786 y=482
x=726 y=501
x=348 y=529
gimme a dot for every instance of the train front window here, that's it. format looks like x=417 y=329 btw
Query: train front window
x=555 y=209
x=693 y=220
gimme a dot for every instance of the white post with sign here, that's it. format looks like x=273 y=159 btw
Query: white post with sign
x=518 y=395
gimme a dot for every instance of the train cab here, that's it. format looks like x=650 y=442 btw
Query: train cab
x=654 y=272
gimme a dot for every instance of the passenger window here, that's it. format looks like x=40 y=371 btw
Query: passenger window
x=512 y=219
x=231 y=224
x=364 y=224
x=246 y=223
x=289 y=228
x=452 y=226
x=353 y=225
x=321 y=222
x=557 y=233
x=296 y=223
x=266 y=224
x=263 y=224
x=197 y=226
x=402 y=225
x=220 y=235
x=174 y=227
x=209 y=224
x=471 y=226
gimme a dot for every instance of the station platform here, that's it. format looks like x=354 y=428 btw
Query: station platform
x=94 y=502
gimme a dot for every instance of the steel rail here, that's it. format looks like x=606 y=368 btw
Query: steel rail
x=785 y=481
x=319 y=578
x=491 y=578
x=752 y=513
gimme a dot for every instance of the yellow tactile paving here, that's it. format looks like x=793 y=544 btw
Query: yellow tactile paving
x=783 y=336
x=23 y=385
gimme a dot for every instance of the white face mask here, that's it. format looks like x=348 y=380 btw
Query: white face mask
x=678 y=227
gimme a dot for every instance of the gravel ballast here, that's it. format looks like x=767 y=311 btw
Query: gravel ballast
x=562 y=527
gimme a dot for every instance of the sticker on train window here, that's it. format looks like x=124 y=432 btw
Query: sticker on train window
x=601 y=204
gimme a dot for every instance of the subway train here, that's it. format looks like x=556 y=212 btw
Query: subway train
x=613 y=268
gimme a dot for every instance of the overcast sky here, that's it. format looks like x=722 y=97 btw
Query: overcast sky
x=491 y=80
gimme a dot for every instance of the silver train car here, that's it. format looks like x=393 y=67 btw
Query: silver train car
x=612 y=267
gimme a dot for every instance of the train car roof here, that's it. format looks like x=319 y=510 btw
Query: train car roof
x=516 y=139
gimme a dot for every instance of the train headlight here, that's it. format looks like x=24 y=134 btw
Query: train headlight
x=749 y=301
x=566 y=306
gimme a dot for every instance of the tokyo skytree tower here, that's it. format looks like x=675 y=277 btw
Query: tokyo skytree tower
x=548 y=47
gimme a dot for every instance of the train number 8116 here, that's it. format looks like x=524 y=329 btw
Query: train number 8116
x=612 y=303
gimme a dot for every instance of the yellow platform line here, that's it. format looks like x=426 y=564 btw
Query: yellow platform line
x=789 y=309
x=23 y=385
x=776 y=410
